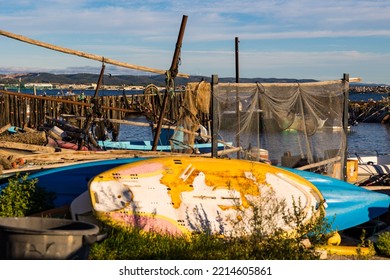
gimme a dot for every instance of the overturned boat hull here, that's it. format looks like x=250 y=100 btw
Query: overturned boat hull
x=180 y=195
x=348 y=205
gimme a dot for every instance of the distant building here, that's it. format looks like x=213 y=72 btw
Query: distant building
x=39 y=85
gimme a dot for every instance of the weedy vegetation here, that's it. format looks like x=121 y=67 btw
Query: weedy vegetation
x=263 y=239
x=23 y=197
x=383 y=244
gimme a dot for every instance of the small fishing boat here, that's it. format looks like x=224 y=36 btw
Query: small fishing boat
x=147 y=146
x=180 y=195
x=168 y=141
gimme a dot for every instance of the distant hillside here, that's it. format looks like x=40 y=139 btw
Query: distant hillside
x=128 y=80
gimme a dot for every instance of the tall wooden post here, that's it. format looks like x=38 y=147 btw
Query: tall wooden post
x=172 y=74
x=95 y=101
x=345 y=124
x=236 y=42
x=238 y=117
x=214 y=119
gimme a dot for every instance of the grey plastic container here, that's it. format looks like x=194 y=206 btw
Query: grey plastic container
x=45 y=238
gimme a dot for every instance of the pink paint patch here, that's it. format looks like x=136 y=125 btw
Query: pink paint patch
x=143 y=168
x=149 y=224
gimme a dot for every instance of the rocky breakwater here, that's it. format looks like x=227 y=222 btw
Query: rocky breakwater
x=370 y=89
x=371 y=110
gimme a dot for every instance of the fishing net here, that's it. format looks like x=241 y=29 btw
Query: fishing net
x=297 y=125
x=32 y=138
x=196 y=101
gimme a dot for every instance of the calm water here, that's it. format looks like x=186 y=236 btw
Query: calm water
x=367 y=96
x=135 y=133
x=364 y=138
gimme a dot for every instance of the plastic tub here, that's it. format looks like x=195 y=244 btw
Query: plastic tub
x=45 y=238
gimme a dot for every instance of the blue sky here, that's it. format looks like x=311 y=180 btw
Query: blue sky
x=278 y=38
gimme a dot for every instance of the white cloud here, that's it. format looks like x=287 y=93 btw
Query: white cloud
x=144 y=32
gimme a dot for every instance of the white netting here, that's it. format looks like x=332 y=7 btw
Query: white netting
x=293 y=124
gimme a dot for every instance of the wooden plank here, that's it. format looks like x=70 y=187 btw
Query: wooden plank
x=64 y=158
x=27 y=129
x=4 y=128
x=375 y=188
x=381 y=189
x=319 y=83
x=84 y=54
x=224 y=152
x=320 y=163
x=26 y=147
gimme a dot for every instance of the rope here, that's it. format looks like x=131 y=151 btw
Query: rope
x=170 y=83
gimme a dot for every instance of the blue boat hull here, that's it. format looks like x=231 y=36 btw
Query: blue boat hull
x=348 y=205
x=147 y=146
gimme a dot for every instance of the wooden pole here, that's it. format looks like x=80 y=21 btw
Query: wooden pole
x=345 y=125
x=237 y=95
x=214 y=119
x=83 y=54
x=173 y=72
x=319 y=83
x=95 y=101
x=92 y=113
x=100 y=81
x=320 y=163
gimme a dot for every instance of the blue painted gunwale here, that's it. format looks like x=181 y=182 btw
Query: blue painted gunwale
x=348 y=205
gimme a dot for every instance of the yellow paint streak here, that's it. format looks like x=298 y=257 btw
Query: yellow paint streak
x=219 y=174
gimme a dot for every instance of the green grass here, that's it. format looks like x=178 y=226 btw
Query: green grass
x=132 y=243
x=122 y=244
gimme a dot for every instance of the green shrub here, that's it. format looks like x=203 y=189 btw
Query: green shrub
x=22 y=197
x=383 y=243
